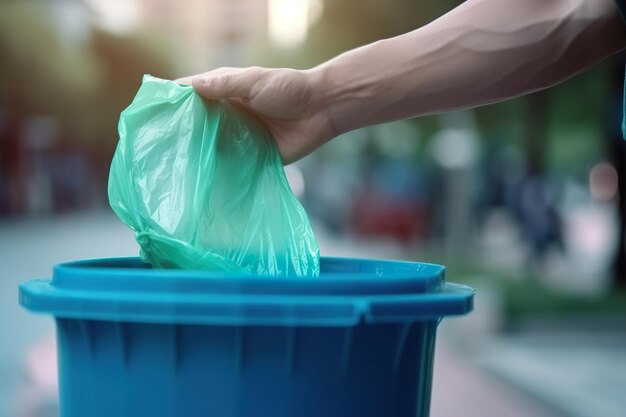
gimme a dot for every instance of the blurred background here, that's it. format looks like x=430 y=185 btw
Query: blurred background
x=523 y=200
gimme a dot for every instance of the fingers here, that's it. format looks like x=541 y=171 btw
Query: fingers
x=226 y=82
x=188 y=80
x=236 y=83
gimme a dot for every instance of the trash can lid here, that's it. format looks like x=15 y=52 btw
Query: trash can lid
x=347 y=292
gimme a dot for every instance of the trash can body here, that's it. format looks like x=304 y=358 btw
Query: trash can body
x=357 y=341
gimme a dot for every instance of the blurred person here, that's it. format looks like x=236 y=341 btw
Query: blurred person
x=540 y=220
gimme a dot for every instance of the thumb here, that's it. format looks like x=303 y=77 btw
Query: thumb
x=228 y=84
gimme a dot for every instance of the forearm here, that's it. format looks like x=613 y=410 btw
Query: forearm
x=482 y=52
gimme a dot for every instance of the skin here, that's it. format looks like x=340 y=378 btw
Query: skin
x=483 y=51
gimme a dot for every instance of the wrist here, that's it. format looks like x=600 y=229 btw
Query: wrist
x=351 y=88
x=324 y=96
x=323 y=101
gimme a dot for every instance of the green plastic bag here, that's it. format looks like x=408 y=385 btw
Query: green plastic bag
x=203 y=187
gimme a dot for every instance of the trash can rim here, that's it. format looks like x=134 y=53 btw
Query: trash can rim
x=175 y=296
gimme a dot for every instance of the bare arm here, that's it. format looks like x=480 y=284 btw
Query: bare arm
x=481 y=52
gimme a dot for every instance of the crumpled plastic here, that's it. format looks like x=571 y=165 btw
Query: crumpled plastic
x=202 y=185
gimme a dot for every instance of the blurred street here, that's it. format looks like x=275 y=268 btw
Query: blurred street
x=477 y=371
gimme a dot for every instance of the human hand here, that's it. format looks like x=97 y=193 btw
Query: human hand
x=288 y=102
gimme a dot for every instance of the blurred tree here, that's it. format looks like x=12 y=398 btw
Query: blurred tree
x=38 y=72
x=346 y=24
x=83 y=86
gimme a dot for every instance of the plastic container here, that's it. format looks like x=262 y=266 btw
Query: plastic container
x=357 y=341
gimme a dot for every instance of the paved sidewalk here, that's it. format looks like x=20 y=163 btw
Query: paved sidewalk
x=582 y=374
x=464 y=390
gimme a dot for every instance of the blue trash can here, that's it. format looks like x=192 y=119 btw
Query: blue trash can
x=357 y=341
